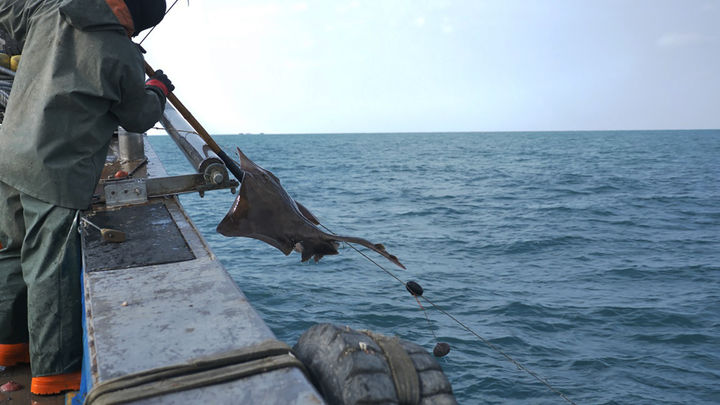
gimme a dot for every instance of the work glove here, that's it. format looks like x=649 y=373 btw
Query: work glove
x=161 y=82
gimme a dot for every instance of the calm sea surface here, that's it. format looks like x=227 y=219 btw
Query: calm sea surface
x=592 y=258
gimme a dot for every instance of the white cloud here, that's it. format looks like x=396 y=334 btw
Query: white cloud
x=345 y=7
x=679 y=40
x=447 y=27
x=300 y=6
x=420 y=21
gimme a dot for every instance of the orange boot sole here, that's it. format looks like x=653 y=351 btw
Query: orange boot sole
x=55 y=384
x=13 y=354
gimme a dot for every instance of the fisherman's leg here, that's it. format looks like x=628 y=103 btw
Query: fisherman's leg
x=13 y=293
x=51 y=265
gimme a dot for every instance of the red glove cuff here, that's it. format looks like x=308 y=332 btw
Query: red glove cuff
x=157 y=83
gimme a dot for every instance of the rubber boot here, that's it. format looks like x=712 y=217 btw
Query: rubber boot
x=55 y=384
x=13 y=354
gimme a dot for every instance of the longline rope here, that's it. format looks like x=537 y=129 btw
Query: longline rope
x=461 y=324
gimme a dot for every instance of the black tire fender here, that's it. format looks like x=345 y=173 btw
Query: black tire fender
x=349 y=368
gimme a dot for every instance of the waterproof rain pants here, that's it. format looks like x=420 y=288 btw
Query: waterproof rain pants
x=40 y=264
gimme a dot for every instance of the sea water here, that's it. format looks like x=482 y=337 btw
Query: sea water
x=591 y=258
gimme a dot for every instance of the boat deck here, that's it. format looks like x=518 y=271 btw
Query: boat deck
x=21 y=375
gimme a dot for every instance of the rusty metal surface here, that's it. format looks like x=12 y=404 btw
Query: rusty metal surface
x=152 y=238
x=131 y=166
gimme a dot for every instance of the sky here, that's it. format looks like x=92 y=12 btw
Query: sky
x=335 y=66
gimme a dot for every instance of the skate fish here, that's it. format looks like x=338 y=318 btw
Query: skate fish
x=263 y=210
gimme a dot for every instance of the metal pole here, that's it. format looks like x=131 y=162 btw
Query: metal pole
x=231 y=165
x=204 y=160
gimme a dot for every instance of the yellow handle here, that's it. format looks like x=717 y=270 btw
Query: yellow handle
x=5 y=60
x=14 y=62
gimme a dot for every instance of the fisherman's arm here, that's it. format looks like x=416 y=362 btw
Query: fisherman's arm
x=142 y=107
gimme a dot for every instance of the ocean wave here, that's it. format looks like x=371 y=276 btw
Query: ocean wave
x=535 y=245
x=646 y=317
x=681 y=338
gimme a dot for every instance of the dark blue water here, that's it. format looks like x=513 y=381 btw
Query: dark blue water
x=591 y=258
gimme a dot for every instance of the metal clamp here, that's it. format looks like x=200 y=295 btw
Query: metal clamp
x=125 y=192
x=138 y=191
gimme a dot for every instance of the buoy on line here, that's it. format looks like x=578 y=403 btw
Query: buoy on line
x=414 y=288
x=441 y=348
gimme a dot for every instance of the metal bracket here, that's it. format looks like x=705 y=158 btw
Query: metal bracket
x=137 y=191
x=125 y=192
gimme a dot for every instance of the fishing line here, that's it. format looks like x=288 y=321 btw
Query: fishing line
x=461 y=324
x=430 y=326
x=177 y=130
x=153 y=28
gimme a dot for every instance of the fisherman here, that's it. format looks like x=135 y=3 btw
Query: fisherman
x=80 y=77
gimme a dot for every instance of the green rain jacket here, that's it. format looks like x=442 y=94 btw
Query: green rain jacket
x=79 y=78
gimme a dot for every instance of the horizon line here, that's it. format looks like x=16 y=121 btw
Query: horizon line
x=468 y=132
x=164 y=133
